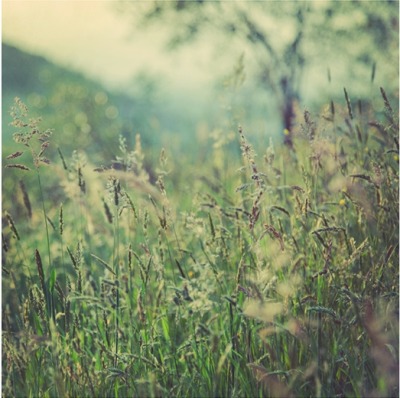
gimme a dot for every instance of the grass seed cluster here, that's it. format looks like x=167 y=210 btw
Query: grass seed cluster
x=261 y=272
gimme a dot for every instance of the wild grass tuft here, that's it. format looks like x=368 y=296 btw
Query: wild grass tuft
x=277 y=276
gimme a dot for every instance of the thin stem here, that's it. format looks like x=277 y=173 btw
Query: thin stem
x=116 y=268
x=51 y=303
x=44 y=216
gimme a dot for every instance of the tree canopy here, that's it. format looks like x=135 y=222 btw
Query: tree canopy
x=355 y=40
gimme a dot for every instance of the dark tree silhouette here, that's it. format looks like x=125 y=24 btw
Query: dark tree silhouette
x=360 y=33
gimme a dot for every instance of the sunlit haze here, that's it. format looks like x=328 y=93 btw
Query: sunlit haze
x=91 y=37
x=109 y=46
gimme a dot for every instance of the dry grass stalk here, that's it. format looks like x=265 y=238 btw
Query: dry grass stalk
x=25 y=198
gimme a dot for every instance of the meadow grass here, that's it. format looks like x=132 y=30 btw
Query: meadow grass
x=270 y=274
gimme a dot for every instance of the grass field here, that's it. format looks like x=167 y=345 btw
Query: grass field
x=268 y=271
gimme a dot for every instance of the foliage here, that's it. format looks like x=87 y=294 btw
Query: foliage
x=284 y=41
x=273 y=274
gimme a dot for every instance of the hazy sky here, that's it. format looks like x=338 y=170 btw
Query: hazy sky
x=91 y=37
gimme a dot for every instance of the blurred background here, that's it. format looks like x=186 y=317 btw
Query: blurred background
x=184 y=74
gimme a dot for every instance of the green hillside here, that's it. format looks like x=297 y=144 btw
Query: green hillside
x=83 y=111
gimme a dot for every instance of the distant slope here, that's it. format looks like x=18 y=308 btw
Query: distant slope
x=89 y=116
x=24 y=74
x=86 y=115
x=20 y=71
